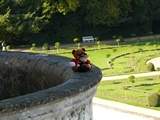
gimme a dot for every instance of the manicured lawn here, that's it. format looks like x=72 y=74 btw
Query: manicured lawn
x=136 y=94
x=131 y=63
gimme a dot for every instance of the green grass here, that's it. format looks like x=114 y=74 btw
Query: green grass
x=131 y=63
x=136 y=94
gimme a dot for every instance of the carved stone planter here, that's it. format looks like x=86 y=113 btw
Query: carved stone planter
x=39 y=87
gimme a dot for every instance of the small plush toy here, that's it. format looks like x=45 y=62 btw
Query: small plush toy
x=80 y=62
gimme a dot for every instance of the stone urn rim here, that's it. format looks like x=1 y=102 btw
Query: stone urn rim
x=75 y=84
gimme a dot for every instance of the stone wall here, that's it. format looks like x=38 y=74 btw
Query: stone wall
x=69 y=100
x=78 y=107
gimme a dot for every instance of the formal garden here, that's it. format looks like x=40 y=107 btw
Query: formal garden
x=142 y=92
x=113 y=59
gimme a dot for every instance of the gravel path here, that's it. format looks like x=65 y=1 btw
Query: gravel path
x=110 y=110
x=138 y=75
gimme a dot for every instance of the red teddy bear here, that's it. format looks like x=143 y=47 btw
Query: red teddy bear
x=80 y=62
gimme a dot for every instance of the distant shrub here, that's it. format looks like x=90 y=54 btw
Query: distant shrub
x=126 y=87
x=158 y=69
x=98 y=43
x=154 y=100
x=78 y=45
x=131 y=79
x=148 y=43
x=57 y=46
x=114 y=50
x=118 y=41
x=150 y=67
x=140 y=50
x=116 y=82
x=33 y=47
x=131 y=70
x=108 y=55
x=45 y=46
x=8 y=47
x=110 y=64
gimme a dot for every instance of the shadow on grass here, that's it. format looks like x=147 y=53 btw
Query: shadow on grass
x=105 y=69
x=147 y=84
x=110 y=89
x=148 y=89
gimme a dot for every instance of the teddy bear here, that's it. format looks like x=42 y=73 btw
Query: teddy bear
x=80 y=62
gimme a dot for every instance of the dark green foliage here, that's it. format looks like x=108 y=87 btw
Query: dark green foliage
x=126 y=87
x=114 y=50
x=131 y=70
x=140 y=50
x=150 y=67
x=20 y=20
x=23 y=17
x=109 y=15
x=108 y=55
x=131 y=79
x=154 y=100
x=117 y=82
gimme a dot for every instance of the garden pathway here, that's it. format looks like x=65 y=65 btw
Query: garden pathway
x=138 y=75
x=110 y=110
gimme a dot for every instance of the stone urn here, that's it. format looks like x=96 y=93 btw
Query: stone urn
x=43 y=87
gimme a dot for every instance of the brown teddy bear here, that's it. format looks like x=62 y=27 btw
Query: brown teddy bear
x=80 y=62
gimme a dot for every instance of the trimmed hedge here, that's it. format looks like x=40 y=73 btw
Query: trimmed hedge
x=154 y=100
x=150 y=67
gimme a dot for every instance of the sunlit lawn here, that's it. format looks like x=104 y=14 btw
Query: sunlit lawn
x=136 y=94
x=132 y=63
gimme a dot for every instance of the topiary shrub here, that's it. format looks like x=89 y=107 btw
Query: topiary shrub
x=131 y=79
x=8 y=47
x=33 y=46
x=126 y=87
x=140 y=50
x=45 y=46
x=158 y=69
x=114 y=50
x=131 y=70
x=150 y=67
x=154 y=100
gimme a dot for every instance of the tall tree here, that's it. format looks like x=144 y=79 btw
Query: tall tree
x=31 y=16
x=102 y=12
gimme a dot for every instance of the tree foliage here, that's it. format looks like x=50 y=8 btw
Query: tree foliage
x=19 y=18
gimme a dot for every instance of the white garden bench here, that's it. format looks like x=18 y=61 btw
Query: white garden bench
x=88 y=39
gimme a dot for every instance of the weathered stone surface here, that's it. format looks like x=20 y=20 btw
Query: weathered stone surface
x=57 y=93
